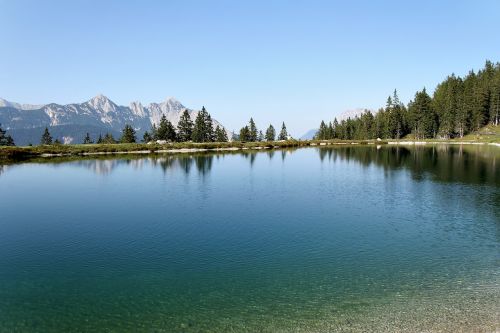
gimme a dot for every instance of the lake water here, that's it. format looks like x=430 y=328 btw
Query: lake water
x=348 y=239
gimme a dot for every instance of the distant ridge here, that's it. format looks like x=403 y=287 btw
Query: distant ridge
x=99 y=115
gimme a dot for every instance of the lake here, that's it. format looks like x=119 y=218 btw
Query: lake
x=347 y=239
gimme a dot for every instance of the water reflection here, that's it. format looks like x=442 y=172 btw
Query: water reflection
x=447 y=163
x=466 y=164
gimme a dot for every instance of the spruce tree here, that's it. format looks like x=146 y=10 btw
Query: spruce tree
x=5 y=140
x=244 y=134
x=199 y=127
x=270 y=133
x=87 y=139
x=203 y=130
x=495 y=97
x=166 y=130
x=154 y=132
x=329 y=131
x=46 y=138
x=220 y=134
x=335 y=126
x=128 y=135
x=147 y=137
x=252 y=131
x=185 y=127
x=109 y=139
x=209 y=128
x=260 y=137
x=423 y=119
x=99 y=139
x=322 y=131
x=283 y=133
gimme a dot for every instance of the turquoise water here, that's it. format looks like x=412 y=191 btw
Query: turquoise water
x=348 y=239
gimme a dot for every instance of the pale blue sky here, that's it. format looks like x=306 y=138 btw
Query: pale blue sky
x=298 y=61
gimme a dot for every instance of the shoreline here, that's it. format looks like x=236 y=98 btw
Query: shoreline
x=9 y=153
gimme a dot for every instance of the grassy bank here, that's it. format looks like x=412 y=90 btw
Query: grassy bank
x=488 y=135
x=89 y=149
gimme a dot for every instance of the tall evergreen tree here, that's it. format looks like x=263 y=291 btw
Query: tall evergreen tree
x=422 y=117
x=99 y=139
x=209 y=127
x=260 y=136
x=203 y=130
x=108 y=139
x=495 y=97
x=270 y=133
x=165 y=130
x=244 y=134
x=185 y=127
x=46 y=137
x=5 y=140
x=147 y=137
x=335 y=125
x=322 y=133
x=128 y=135
x=220 y=134
x=253 y=131
x=283 y=133
x=87 y=139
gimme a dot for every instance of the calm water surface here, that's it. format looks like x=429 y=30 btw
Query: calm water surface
x=349 y=239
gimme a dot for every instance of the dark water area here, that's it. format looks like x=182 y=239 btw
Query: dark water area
x=347 y=239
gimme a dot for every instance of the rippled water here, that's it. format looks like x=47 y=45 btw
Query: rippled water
x=349 y=239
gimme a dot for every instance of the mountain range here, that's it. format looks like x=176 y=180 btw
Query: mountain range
x=69 y=123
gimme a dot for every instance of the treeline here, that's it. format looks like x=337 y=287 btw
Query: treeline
x=249 y=133
x=202 y=130
x=458 y=106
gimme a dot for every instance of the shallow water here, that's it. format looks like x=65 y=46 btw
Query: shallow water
x=348 y=239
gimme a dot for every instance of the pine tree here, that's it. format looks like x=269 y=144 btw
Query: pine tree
x=165 y=130
x=253 y=131
x=198 y=134
x=128 y=135
x=203 y=130
x=147 y=137
x=260 y=137
x=154 y=132
x=330 y=131
x=495 y=97
x=185 y=127
x=57 y=142
x=283 y=134
x=422 y=116
x=87 y=140
x=109 y=139
x=209 y=128
x=99 y=140
x=5 y=140
x=244 y=134
x=220 y=134
x=445 y=103
x=335 y=126
x=322 y=133
x=270 y=133
x=46 y=138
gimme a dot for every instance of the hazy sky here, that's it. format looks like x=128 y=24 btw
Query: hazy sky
x=298 y=61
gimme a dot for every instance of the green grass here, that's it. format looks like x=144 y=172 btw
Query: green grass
x=489 y=133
